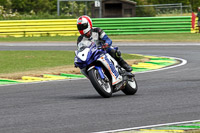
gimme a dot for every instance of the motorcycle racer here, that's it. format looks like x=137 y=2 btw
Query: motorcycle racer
x=98 y=36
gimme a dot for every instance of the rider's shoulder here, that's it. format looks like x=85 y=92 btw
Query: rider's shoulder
x=96 y=29
x=80 y=38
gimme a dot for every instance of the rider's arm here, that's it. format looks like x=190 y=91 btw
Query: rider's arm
x=107 y=40
x=104 y=37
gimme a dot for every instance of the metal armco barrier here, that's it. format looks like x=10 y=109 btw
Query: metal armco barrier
x=33 y=28
x=144 y=25
x=112 y=26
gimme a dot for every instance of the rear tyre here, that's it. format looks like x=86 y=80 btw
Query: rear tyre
x=102 y=86
x=131 y=87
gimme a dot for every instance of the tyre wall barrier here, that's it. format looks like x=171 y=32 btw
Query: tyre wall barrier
x=112 y=26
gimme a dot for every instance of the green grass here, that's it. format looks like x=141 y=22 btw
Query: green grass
x=20 y=61
x=180 y=37
x=129 y=56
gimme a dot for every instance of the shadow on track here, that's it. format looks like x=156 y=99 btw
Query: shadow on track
x=81 y=97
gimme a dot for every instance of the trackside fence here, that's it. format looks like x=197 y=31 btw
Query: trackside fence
x=144 y=25
x=33 y=28
x=112 y=26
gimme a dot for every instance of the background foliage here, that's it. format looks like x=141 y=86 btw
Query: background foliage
x=34 y=9
x=194 y=3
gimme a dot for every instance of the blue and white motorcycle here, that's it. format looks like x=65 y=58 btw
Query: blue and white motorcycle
x=105 y=74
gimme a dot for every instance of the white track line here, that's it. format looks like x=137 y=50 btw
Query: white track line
x=150 y=126
x=183 y=62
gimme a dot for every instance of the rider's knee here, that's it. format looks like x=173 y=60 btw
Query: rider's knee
x=115 y=53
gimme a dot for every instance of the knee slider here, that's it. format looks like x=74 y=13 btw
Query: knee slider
x=118 y=53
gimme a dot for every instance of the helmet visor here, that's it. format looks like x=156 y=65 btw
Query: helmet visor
x=82 y=26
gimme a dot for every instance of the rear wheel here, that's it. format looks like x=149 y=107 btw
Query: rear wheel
x=131 y=87
x=102 y=86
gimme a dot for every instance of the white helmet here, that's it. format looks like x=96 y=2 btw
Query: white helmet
x=84 y=24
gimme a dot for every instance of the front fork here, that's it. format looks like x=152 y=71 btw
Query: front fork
x=100 y=70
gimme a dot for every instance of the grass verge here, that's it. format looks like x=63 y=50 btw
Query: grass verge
x=15 y=64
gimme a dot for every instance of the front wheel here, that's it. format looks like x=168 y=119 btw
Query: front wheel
x=102 y=86
x=131 y=87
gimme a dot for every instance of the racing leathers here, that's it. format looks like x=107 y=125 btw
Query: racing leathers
x=99 y=37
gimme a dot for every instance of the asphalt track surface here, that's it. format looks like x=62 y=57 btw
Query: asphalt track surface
x=73 y=106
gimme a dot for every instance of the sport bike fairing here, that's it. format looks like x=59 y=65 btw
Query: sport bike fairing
x=104 y=72
x=111 y=65
x=83 y=54
x=87 y=54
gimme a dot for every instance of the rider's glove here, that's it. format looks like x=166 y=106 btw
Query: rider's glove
x=105 y=46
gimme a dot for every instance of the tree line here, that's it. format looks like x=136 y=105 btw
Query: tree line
x=26 y=6
x=50 y=6
x=73 y=9
x=194 y=3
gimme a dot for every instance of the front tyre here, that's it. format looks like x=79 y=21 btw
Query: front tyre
x=131 y=87
x=102 y=86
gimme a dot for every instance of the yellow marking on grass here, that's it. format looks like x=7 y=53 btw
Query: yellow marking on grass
x=37 y=78
x=147 y=65
x=55 y=77
x=153 y=57
x=168 y=61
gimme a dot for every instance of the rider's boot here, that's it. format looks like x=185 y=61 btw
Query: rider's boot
x=123 y=64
